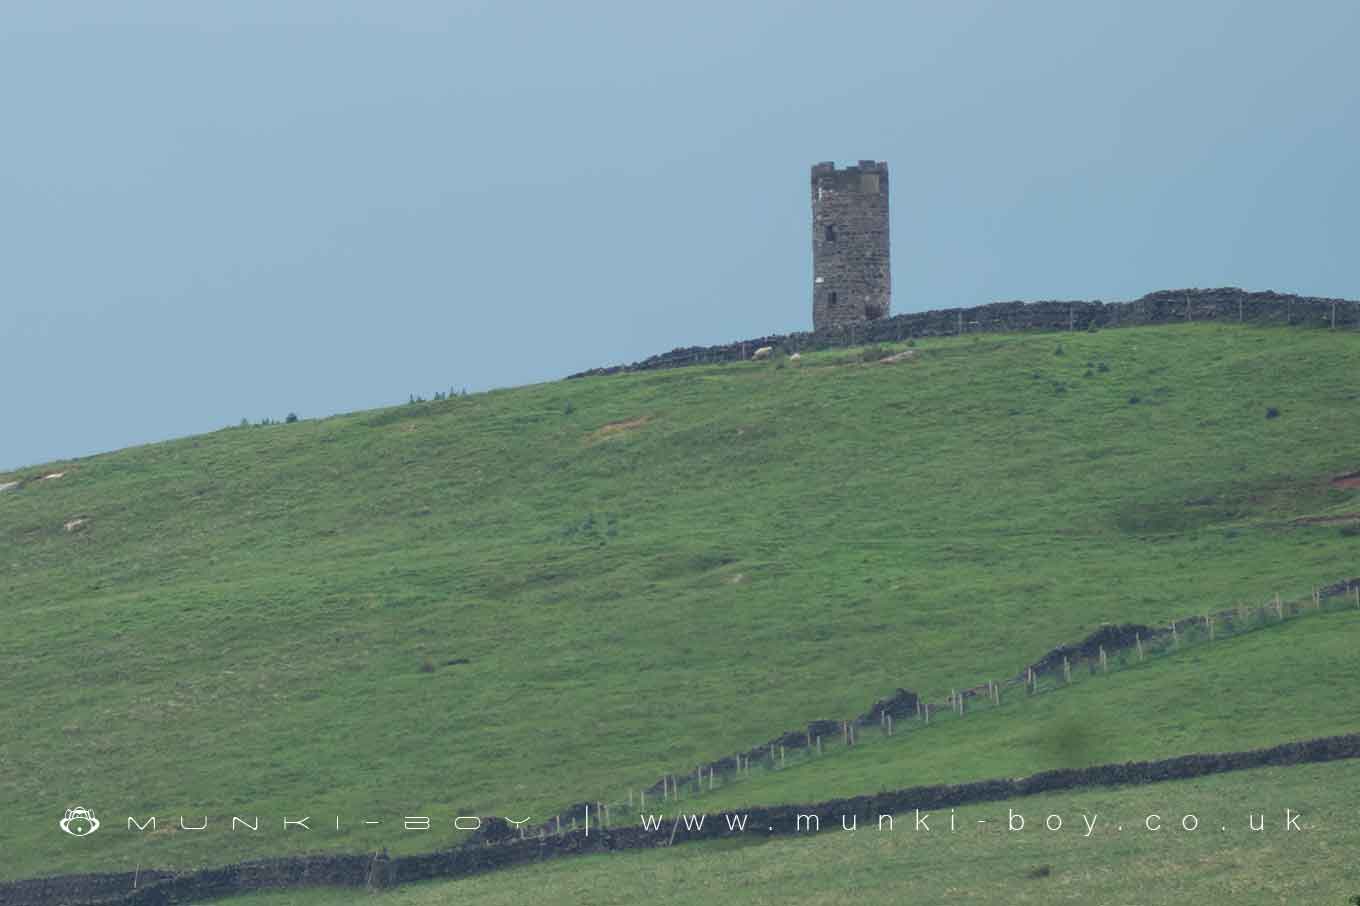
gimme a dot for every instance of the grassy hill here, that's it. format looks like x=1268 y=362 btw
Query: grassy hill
x=1273 y=685
x=503 y=603
x=1121 y=861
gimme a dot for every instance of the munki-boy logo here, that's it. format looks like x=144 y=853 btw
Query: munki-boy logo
x=79 y=822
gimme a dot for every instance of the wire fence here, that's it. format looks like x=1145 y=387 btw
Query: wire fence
x=1110 y=649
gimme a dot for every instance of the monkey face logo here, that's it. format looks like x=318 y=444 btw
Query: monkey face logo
x=79 y=822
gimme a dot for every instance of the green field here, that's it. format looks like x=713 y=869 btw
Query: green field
x=1115 y=859
x=639 y=573
x=1270 y=686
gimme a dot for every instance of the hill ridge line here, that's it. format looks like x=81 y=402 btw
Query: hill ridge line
x=1171 y=306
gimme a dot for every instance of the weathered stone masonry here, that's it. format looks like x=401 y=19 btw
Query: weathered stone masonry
x=851 y=280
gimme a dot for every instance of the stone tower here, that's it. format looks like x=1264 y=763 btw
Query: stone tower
x=850 y=277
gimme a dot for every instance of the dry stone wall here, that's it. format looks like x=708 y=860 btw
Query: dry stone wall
x=1227 y=304
x=379 y=871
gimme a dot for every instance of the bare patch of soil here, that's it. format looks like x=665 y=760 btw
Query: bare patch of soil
x=1349 y=480
x=614 y=429
x=902 y=356
x=1339 y=519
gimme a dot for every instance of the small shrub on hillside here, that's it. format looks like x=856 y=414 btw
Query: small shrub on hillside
x=1272 y=412
x=426 y=665
x=1102 y=368
x=1042 y=871
x=291 y=419
x=1058 y=350
x=1351 y=530
x=1133 y=401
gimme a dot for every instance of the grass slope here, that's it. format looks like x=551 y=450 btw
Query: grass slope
x=642 y=572
x=1272 y=685
x=1120 y=862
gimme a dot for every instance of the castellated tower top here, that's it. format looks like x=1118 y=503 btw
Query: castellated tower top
x=851 y=280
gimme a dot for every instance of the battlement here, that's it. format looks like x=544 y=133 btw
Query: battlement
x=826 y=176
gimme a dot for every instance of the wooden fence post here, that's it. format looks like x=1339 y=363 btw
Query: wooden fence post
x=1138 y=641
x=1067 y=670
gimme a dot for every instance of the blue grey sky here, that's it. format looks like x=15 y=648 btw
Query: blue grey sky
x=217 y=211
